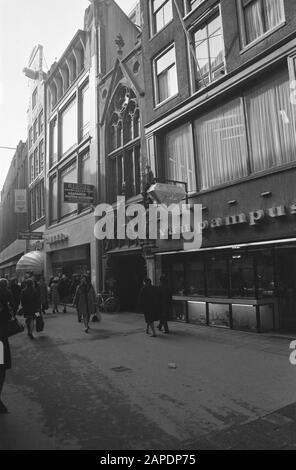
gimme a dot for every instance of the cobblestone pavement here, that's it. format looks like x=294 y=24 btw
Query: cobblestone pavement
x=117 y=388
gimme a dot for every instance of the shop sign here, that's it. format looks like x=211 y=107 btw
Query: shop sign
x=252 y=218
x=167 y=193
x=37 y=246
x=79 y=193
x=30 y=235
x=56 y=239
x=20 y=201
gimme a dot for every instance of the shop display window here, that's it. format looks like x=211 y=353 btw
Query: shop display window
x=178 y=279
x=242 y=276
x=265 y=274
x=197 y=313
x=179 y=311
x=219 y=315
x=195 y=278
x=217 y=276
x=244 y=317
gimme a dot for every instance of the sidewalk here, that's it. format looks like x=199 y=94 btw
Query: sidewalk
x=115 y=388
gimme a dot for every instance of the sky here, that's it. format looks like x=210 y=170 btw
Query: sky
x=24 y=24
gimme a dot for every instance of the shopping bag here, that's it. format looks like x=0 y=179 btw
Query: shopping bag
x=14 y=327
x=39 y=322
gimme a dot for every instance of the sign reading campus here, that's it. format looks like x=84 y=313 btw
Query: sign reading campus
x=79 y=193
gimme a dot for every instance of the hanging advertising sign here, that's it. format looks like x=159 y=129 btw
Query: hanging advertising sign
x=20 y=201
x=79 y=193
x=30 y=235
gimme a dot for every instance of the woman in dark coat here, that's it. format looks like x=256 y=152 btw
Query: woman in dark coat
x=30 y=304
x=165 y=298
x=85 y=301
x=64 y=289
x=15 y=290
x=5 y=361
x=149 y=305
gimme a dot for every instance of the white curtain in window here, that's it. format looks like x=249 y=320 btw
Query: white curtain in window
x=274 y=13
x=222 y=145
x=271 y=119
x=254 y=20
x=179 y=156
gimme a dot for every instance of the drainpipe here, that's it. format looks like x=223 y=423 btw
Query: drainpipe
x=99 y=251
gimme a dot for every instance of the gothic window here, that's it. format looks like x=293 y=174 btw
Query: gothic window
x=123 y=160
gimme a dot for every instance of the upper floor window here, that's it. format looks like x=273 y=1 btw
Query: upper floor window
x=209 y=51
x=162 y=13
x=30 y=137
x=85 y=111
x=69 y=126
x=259 y=16
x=124 y=153
x=35 y=130
x=40 y=122
x=34 y=98
x=192 y=4
x=165 y=76
x=53 y=143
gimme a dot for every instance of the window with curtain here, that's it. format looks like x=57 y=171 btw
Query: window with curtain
x=221 y=145
x=271 y=120
x=68 y=175
x=41 y=156
x=162 y=13
x=36 y=163
x=166 y=79
x=260 y=16
x=53 y=198
x=209 y=51
x=179 y=156
x=85 y=111
x=53 y=142
x=69 y=126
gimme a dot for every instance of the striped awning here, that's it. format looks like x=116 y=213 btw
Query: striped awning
x=31 y=262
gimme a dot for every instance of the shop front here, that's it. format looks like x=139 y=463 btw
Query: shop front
x=71 y=261
x=244 y=275
x=231 y=288
x=125 y=270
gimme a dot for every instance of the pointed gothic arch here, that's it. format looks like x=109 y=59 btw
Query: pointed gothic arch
x=123 y=144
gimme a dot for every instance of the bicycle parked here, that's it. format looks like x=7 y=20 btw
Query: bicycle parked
x=108 y=302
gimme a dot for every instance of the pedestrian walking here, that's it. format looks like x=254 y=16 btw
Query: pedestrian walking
x=85 y=301
x=64 y=289
x=54 y=294
x=15 y=290
x=43 y=295
x=149 y=305
x=165 y=302
x=5 y=363
x=30 y=304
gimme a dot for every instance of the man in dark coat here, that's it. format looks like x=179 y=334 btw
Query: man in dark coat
x=30 y=304
x=5 y=357
x=165 y=299
x=64 y=289
x=149 y=305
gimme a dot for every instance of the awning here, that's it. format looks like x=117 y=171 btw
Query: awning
x=31 y=262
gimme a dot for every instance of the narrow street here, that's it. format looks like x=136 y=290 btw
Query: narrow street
x=117 y=389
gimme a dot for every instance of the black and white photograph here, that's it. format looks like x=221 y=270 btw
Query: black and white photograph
x=147 y=228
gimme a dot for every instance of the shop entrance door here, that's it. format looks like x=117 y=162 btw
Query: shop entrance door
x=286 y=268
x=129 y=272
